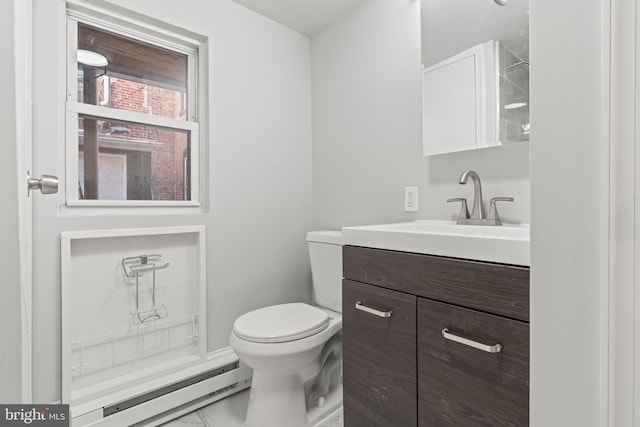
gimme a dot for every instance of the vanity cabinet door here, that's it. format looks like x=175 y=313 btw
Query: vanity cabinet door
x=459 y=385
x=379 y=357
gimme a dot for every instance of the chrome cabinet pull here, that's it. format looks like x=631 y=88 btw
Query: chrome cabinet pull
x=496 y=348
x=373 y=311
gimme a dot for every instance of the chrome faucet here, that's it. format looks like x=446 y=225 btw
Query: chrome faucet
x=477 y=216
x=477 y=212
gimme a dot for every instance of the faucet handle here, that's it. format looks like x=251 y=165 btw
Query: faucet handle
x=464 y=212
x=493 y=211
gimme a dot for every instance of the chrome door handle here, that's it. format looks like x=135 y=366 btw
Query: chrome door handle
x=373 y=311
x=496 y=348
x=47 y=184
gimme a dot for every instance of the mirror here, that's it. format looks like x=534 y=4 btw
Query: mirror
x=475 y=56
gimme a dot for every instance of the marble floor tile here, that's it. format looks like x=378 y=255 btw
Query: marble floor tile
x=189 y=420
x=229 y=412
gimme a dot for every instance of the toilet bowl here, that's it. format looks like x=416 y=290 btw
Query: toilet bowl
x=295 y=349
x=282 y=365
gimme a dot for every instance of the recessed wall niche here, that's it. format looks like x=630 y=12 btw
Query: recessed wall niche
x=133 y=307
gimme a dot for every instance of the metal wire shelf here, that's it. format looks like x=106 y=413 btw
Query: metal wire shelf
x=110 y=342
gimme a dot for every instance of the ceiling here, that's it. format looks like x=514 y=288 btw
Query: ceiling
x=451 y=26
x=304 y=16
x=448 y=26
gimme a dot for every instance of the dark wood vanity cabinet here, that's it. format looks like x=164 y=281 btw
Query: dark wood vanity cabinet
x=454 y=350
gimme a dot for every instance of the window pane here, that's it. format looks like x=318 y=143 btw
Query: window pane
x=126 y=161
x=137 y=76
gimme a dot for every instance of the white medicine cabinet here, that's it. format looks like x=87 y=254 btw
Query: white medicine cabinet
x=477 y=98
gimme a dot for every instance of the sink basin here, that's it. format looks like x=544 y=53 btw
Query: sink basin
x=507 y=244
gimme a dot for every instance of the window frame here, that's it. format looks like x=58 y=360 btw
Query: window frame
x=143 y=32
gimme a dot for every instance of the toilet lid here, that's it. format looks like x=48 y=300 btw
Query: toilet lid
x=281 y=323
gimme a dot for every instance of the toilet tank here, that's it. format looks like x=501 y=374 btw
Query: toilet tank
x=325 y=253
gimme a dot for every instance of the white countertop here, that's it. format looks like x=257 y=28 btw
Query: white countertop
x=507 y=244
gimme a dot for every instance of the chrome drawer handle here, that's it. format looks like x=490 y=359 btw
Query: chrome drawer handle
x=496 y=348
x=373 y=311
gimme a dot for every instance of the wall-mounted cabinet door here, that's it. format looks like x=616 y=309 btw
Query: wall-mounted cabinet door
x=449 y=107
x=459 y=102
x=379 y=350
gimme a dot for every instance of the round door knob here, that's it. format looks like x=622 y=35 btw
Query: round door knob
x=47 y=184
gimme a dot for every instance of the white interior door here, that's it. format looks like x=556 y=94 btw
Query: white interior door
x=52 y=214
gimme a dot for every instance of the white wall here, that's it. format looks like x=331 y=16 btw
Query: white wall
x=366 y=85
x=10 y=302
x=625 y=214
x=258 y=192
x=504 y=171
x=569 y=177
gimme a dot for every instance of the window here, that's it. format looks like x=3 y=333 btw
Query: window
x=132 y=124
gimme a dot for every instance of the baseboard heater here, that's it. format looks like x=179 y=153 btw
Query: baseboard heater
x=164 y=403
x=134 y=401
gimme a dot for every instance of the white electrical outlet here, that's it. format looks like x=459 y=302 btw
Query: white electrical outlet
x=411 y=199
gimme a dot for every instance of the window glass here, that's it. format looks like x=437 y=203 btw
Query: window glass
x=132 y=161
x=121 y=73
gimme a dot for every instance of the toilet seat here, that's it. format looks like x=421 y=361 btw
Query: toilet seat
x=281 y=323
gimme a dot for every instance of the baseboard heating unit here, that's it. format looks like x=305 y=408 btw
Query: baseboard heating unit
x=156 y=405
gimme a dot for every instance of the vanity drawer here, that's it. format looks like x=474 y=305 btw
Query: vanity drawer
x=460 y=385
x=379 y=357
x=494 y=288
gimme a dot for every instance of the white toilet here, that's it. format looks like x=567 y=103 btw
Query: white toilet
x=295 y=349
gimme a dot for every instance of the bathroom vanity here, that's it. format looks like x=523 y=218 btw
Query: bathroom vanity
x=433 y=340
